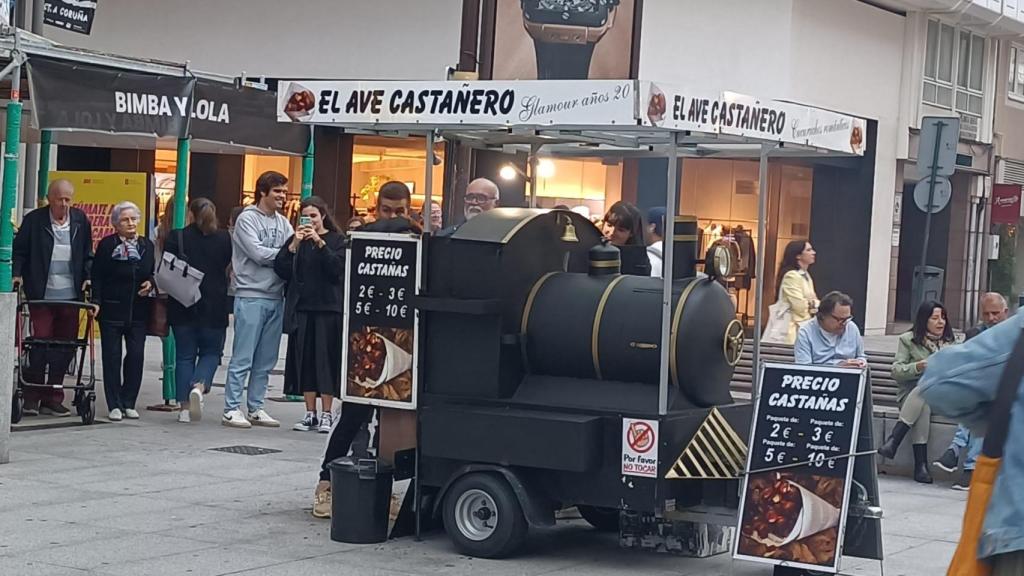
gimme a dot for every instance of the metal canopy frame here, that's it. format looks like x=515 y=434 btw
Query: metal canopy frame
x=626 y=141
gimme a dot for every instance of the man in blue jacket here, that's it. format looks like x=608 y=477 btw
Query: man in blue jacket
x=961 y=382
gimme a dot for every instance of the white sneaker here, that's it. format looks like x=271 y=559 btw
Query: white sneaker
x=195 y=403
x=235 y=419
x=326 y=421
x=184 y=417
x=131 y=414
x=115 y=415
x=261 y=418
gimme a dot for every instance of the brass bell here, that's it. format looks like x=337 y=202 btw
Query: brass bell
x=569 y=233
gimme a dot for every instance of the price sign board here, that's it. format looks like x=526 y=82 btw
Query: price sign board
x=380 y=357
x=799 y=466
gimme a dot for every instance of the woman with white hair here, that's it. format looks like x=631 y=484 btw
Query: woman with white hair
x=122 y=279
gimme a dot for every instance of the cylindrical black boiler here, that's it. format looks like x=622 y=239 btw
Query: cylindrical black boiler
x=609 y=327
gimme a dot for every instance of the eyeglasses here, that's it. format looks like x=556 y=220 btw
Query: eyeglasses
x=477 y=198
x=841 y=321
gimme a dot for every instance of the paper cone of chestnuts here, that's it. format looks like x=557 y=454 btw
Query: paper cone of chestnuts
x=815 y=515
x=396 y=361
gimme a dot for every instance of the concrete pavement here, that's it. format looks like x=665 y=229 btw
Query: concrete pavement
x=150 y=497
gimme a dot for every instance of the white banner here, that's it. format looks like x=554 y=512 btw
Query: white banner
x=674 y=107
x=531 y=103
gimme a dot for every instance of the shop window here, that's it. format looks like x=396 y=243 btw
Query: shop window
x=587 y=186
x=1015 y=78
x=954 y=70
x=376 y=160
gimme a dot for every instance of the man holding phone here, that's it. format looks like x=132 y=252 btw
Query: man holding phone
x=831 y=338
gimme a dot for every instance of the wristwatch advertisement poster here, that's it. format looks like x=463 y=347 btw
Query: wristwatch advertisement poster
x=562 y=39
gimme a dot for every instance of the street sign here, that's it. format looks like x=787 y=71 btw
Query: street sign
x=940 y=198
x=945 y=160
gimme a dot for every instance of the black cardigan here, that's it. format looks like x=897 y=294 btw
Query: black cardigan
x=116 y=283
x=211 y=255
x=315 y=276
x=33 y=247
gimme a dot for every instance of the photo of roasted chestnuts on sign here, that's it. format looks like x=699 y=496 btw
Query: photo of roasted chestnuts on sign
x=300 y=102
x=380 y=364
x=857 y=139
x=656 y=106
x=791 y=516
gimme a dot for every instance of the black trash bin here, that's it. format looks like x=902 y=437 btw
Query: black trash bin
x=360 y=500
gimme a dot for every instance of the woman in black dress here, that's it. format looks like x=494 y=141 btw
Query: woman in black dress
x=313 y=263
x=122 y=279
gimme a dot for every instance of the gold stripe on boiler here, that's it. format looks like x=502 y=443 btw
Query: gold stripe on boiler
x=714 y=452
x=596 y=331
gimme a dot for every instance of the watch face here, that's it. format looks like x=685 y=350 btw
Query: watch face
x=574 y=12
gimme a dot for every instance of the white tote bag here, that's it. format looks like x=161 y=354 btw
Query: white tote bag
x=176 y=278
x=780 y=318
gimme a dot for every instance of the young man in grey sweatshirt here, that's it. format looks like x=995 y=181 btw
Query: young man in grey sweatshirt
x=260 y=232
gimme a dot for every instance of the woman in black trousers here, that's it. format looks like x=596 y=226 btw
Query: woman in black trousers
x=313 y=263
x=122 y=280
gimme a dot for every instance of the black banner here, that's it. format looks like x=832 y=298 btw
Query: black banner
x=796 y=494
x=73 y=96
x=245 y=117
x=70 y=96
x=73 y=15
x=382 y=276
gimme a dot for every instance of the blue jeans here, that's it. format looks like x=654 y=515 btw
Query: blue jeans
x=197 y=355
x=258 y=326
x=964 y=439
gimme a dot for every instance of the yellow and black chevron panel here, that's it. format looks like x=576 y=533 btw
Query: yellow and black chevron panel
x=715 y=451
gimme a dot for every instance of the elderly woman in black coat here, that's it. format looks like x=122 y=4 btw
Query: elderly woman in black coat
x=122 y=279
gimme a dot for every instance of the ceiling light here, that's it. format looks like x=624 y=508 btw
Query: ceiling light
x=545 y=168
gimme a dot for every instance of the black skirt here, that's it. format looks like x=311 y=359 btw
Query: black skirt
x=313 y=363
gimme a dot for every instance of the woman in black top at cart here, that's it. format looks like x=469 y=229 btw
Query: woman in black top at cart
x=122 y=279
x=200 y=329
x=313 y=264
x=623 y=227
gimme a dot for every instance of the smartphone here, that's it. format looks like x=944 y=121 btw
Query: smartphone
x=305 y=221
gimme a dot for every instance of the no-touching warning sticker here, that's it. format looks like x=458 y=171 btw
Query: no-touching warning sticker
x=640 y=448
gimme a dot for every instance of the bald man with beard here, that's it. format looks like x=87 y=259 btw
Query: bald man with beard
x=482 y=195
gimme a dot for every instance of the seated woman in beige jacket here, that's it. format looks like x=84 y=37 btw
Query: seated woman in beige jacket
x=796 y=287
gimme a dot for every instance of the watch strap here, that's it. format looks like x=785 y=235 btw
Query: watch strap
x=557 y=61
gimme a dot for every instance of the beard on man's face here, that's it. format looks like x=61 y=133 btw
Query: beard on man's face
x=472 y=211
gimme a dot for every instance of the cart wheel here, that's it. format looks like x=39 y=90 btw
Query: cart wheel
x=483 y=517
x=604 y=519
x=87 y=410
x=17 y=409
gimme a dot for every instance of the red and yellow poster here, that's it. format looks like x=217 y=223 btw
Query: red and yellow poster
x=96 y=194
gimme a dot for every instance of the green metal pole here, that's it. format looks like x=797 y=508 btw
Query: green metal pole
x=43 y=180
x=307 y=168
x=180 y=204
x=10 y=181
x=307 y=191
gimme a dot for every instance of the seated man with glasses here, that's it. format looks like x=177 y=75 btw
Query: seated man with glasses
x=831 y=338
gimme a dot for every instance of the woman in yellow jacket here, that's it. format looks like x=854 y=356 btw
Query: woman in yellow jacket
x=796 y=286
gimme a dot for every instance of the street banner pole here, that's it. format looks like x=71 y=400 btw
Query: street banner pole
x=10 y=178
x=43 y=180
x=180 y=205
x=307 y=167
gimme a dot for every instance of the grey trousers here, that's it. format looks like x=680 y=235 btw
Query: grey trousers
x=916 y=413
x=1011 y=564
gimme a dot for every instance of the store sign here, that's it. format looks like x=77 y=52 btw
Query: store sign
x=73 y=15
x=739 y=115
x=1006 y=208
x=381 y=325
x=243 y=117
x=799 y=466
x=70 y=96
x=535 y=103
